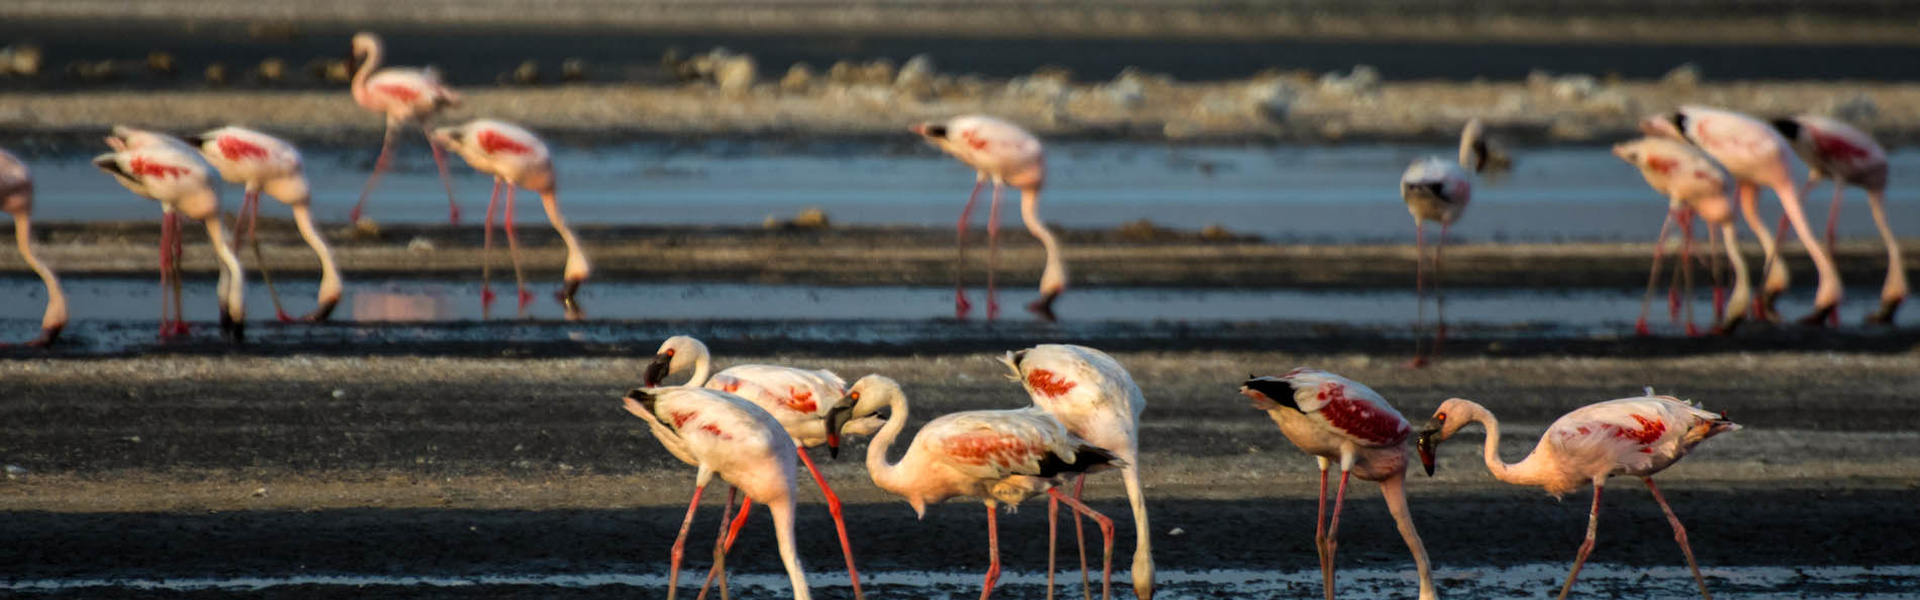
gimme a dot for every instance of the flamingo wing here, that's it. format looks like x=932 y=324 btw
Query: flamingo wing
x=991 y=445
x=1076 y=380
x=787 y=393
x=1342 y=406
x=1636 y=435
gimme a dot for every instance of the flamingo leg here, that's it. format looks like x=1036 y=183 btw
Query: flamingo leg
x=1320 y=524
x=166 y=274
x=446 y=181
x=720 y=549
x=379 y=166
x=251 y=207
x=513 y=251
x=486 y=250
x=1833 y=223
x=1773 y=268
x=1646 y=302
x=993 y=553
x=1053 y=540
x=1679 y=535
x=1713 y=268
x=1895 y=290
x=839 y=522
x=1333 y=529
x=1686 y=271
x=1826 y=298
x=1080 y=538
x=728 y=533
x=1106 y=535
x=1419 y=294
x=1439 y=297
x=1586 y=547
x=179 y=307
x=960 y=304
x=993 y=251
x=1742 y=289
x=680 y=544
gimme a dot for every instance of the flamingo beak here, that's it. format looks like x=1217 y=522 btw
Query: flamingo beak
x=657 y=370
x=836 y=420
x=324 y=310
x=1428 y=439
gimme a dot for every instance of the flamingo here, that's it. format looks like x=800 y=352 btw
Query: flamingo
x=516 y=159
x=1757 y=155
x=1694 y=184
x=1339 y=420
x=1438 y=191
x=1848 y=156
x=403 y=95
x=996 y=456
x=722 y=434
x=1637 y=437
x=168 y=171
x=1097 y=400
x=264 y=163
x=16 y=199
x=1007 y=155
x=798 y=399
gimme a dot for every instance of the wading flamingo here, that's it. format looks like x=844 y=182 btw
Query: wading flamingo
x=403 y=95
x=996 y=456
x=16 y=199
x=1096 y=399
x=798 y=399
x=168 y=171
x=264 y=163
x=1837 y=151
x=517 y=159
x=1756 y=155
x=1693 y=185
x=1005 y=154
x=1438 y=191
x=1339 y=421
x=722 y=434
x=1636 y=437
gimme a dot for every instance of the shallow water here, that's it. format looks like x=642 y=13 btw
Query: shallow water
x=1524 y=581
x=1291 y=193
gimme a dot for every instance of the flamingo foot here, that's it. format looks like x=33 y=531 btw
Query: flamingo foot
x=526 y=298
x=1731 y=323
x=283 y=316
x=993 y=307
x=1819 y=316
x=487 y=297
x=1692 y=330
x=1641 y=329
x=1765 y=307
x=1419 y=362
x=354 y=216
x=1043 y=307
x=321 y=313
x=960 y=305
x=234 y=331
x=1884 y=316
x=453 y=214
x=47 y=337
x=175 y=329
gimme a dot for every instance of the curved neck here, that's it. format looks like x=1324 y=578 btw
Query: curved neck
x=330 y=287
x=1054 y=277
x=236 y=291
x=576 y=269
x=885 y=474
x=702 y=367
x=367 y=68
x=1526 y=472
x=782 y=512
x=56 y=298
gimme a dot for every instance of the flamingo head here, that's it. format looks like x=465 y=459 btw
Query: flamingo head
x=863 y=410
x=677 y=354
x=1671 y=125
x=1447 y=420
x=365 y=45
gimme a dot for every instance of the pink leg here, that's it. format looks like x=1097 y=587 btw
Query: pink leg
x=379 y=166
x=251 y=206
x=1686 y=271
x=1713 y=266
x=839 y=522
x=1439 y=297
x=1053 y=540
x=960 y=304
x=166 y=275
x=1833 y=223
x=1593 y=526
x=1080 y=538
x=1106 y=535
x=179 y=308
x=719 y=569
x=1653 y=278
x=1333 y=530
x=993 y=553
x=993 y=251
x=513 y=251
x=1419 y=294
x=440 y=160
x=680 y=545
x=486 y=251
x=1679 y=535
x=1320 y=529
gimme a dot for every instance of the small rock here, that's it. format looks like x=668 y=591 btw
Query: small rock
x=420 y=244
x=1126 y=91
x=1855 y=108
x=216 y=74
x=573 y=69
x=1686 y=75
x=1363 y=80
x=162 y=63
x=916 y=76
x=260 y=492
x=23 y=60
x=1216 y=232
x=736 y=74
x=1539 y=79
x=879 y=71
x=1273 y=98
x=15 y=471
x=527 y=73
x=1176 y=532
x=812 y=218
x=798 y=80
x=1037 y=87
x=1614 y=102
x=843 y=72
x=339 y=393
x=1574 y=88
x=271 y=70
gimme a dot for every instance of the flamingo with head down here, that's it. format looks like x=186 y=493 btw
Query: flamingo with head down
x=1848 y=156
x=264 y=163
x=516 y=158
x=168 y=171
x=1007 y=155
x=1693 y=184
x=16 y=199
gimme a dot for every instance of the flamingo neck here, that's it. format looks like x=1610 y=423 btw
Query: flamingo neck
x=367 y=68
x=782 y=512
x=886 y=474
x=56 y=298
x=1054 y=278
x=577 y=267
x=702 y=366
x=236 y=289
x=1529 y=471
x=1394 y=490
x=330 y=287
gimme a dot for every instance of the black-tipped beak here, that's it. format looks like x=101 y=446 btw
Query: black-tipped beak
x=1425 y=444
x=195 y=141
x=931 y=130
x=322 y=312
x=836 y=419
x=657 y=370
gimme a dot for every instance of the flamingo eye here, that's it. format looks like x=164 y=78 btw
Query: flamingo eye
x=1442 y=417
x=855 y=396
x=669 y=352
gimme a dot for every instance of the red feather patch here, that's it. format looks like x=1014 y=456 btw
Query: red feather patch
x=398 y=92
x=1649 y=432
x=1049 y=385
x=1359 y=419
x=492 y=142
x=1838 y=147
x=142 y=168
x=801 y=400
x=984 y=448
x=238 y=149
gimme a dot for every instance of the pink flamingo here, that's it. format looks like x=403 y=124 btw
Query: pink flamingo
x=1756 y=155
x=1338 y=420
x=1636 y=437
x=798 y=399
x=1096 y=399
x=516 y=159
x=722 y=434
x=1837 y=151
x=404 y=95
x=1007 y=155
x=1693 y=184
x=264 y=163
x=16 y=199
x=997 y=456
x=1438 y=191
x=168 y=171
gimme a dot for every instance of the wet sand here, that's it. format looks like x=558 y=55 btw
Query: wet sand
x=216 y=466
